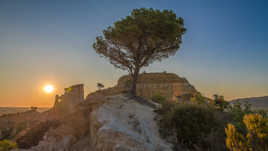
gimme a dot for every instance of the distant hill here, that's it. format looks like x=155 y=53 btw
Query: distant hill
x=256 y=102
x=10 y=110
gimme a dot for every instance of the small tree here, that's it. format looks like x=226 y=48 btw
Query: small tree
x=220 y=103
x=100 y=86
x=140 y=39
x=255 y=138
x=33 y=108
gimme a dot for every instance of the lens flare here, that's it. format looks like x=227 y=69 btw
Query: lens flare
x=48 y=88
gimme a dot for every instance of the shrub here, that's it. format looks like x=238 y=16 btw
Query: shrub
x=158 y=98
x=191 y=123
x=7 y=145
x=237 y=112
x=198 y=99
x=220 y=103
x=255 y=138
x=167 y=106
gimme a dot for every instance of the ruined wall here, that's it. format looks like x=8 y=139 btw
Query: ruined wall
x=72 y=96
x=168 y=85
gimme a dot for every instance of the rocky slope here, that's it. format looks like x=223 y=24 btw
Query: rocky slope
x=256 y=102
x=12 y=110
x=112 y=123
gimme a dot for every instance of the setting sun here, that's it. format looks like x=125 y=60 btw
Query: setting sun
x=48 y=88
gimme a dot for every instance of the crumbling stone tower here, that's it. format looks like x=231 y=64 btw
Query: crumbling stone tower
x=72 y=96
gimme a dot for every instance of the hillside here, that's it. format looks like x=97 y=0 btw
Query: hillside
x=256 y=102
x=11 y=110
x=109 y=123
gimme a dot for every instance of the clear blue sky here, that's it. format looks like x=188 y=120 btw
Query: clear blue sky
x=224 y=51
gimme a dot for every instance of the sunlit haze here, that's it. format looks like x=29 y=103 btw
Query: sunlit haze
x=224 y=51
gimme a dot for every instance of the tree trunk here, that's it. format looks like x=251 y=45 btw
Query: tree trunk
x=134 y=82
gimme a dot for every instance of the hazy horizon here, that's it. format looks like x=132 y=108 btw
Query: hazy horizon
x=224 y=50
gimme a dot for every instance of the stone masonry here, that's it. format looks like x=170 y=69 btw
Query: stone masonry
x=72 y=96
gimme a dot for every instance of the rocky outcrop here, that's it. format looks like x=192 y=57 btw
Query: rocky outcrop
x=106 y=120
x=113 y=123
x=168 y=85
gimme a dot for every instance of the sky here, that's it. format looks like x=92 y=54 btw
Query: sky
x=224 y=51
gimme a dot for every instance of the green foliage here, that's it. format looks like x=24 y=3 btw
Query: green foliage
x=6 y=145
x=237 y=112
x=140 y=39
x=201 y=126
x=166 y=105
x=158 y=98
x=198 y=99
x=191 y=124
x=220 y=103
x=255 y=138
x=20 y=127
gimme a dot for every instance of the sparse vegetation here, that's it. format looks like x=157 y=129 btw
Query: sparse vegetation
x=197 y=126
x=100 y=86
x=191 y=125
x=6 y=145
x=32 y=137
x=33 y=108
x=220 y=103
x=198 y=99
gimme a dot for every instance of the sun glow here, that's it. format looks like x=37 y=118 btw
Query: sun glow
x=48 y=88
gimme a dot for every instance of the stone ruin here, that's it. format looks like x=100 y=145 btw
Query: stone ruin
x=169 y=85
x=72 y=96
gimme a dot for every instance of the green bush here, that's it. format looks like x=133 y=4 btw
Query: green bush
x=237 y=112
x=220 y=103
x=200 y=126
x=191 y=123
x=166 y=105
x=158 y=98
x=198 y=99
x=7 y=145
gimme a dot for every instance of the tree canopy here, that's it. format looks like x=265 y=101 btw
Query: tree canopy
x=141 y=38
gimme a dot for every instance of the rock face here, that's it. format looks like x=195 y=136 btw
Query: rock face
x=168 y=85
x=128 y=125
x=113 y=123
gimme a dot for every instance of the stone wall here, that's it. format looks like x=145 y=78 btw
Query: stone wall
x=72 y=96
